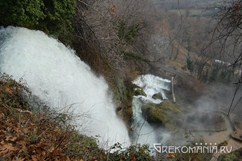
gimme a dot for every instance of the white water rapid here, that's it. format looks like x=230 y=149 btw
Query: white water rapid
x=144 y=132
x=59 y=78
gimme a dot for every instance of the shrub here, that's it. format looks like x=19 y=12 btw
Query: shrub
x=136 y=152
x=27 y=13
x=190 y=64
x=11 y=93
x=27 y=135
x=128 y=33
x=51 y=16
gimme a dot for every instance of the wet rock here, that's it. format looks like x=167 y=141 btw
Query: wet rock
x=164 y=114
x=157 y=96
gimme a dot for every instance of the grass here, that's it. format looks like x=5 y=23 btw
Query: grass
x=234 y=156
x=26 y=135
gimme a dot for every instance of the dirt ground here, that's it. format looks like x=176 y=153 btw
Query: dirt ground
x=222 y=137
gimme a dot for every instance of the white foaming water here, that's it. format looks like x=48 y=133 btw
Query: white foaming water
x=59 y=78
x=145 y=133
x=152 y=85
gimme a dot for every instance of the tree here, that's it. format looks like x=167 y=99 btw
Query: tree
x=59 y=16
x=115 y=28
x=51 y=16
x=27 y=13
x=229 y=29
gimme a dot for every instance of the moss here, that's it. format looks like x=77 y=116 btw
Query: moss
x=162 y=114
x=123 y=93
x=157 y=96
x=139 y=92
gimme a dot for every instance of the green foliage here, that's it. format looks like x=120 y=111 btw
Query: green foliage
x=59 y=18
x=162 y=114
x=193 y=156
x=52 y=16
x=190 y=64
x=231 y=157
x=234 y=156
x=32 y=137
x=134 y=56
x=84 y=147
x=136 y=152
x=139 y=92
x=214 y=74
x=27 y=13
x=225 y=75
x=128 y=33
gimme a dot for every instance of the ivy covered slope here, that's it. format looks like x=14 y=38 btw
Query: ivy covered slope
x=54 y=17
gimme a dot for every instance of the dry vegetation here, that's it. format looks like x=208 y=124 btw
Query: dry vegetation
x=111 y=37
x=116 y=38
x=28 y=135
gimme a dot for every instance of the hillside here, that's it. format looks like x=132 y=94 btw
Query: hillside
x=112 y=80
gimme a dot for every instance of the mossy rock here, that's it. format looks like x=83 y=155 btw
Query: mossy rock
x=157 y=96
x=172 y=107
x=162 y=114
x=139 y=92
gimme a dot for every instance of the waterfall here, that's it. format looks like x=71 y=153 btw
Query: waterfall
x=144 y=132
x=58 y=77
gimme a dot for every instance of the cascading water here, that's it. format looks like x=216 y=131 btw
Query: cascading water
x=59 y=78
x=144 y=132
